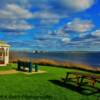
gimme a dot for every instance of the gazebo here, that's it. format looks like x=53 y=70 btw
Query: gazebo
x=4 y=53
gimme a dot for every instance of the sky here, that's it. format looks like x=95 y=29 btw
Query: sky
x=51 y=25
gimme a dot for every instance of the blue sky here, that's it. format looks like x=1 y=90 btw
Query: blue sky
x=54 y=25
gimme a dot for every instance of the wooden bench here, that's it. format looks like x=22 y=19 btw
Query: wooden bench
x=81 y=76
x=23 y=65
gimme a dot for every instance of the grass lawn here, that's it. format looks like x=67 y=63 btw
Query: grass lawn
x=47 y=86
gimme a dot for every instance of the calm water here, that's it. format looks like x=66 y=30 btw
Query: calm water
x=92 y=59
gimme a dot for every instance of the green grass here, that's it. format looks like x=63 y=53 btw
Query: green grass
x=38 y=86
x=8 y=67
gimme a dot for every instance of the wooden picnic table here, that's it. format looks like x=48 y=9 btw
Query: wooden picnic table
x=81 y=76
x=23 y=65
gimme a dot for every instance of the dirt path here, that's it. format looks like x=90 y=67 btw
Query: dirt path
x=8 y=72
x=15 y=71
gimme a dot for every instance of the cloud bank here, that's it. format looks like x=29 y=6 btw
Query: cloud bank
x=78 y=5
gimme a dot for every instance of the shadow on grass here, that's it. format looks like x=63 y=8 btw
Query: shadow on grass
x=84 y=90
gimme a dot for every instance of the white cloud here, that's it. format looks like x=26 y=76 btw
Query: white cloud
x=66 y=40
x=13 y=11
x=78 y=5
x=13 y=17
x=79 y=25
x=96 y=33
x=50 y=21
x=48 y=17
x=16 y=25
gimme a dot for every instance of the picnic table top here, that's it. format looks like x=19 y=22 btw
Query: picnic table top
x=93 y=76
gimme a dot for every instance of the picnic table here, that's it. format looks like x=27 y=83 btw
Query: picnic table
x=81 y=76
x=23 y=65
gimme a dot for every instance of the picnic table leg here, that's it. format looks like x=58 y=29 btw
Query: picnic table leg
x=79 y=80
x=36 y=68
x=30 y=67
x=18 y=66
x=93 y=82
x=66 y=77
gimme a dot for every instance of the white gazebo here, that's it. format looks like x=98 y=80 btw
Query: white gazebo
x=4 y=53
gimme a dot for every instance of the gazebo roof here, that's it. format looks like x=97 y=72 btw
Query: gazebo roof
x=3 y=44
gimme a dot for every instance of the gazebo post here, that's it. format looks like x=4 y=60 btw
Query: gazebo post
x=5 y=59
x=4 y=54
